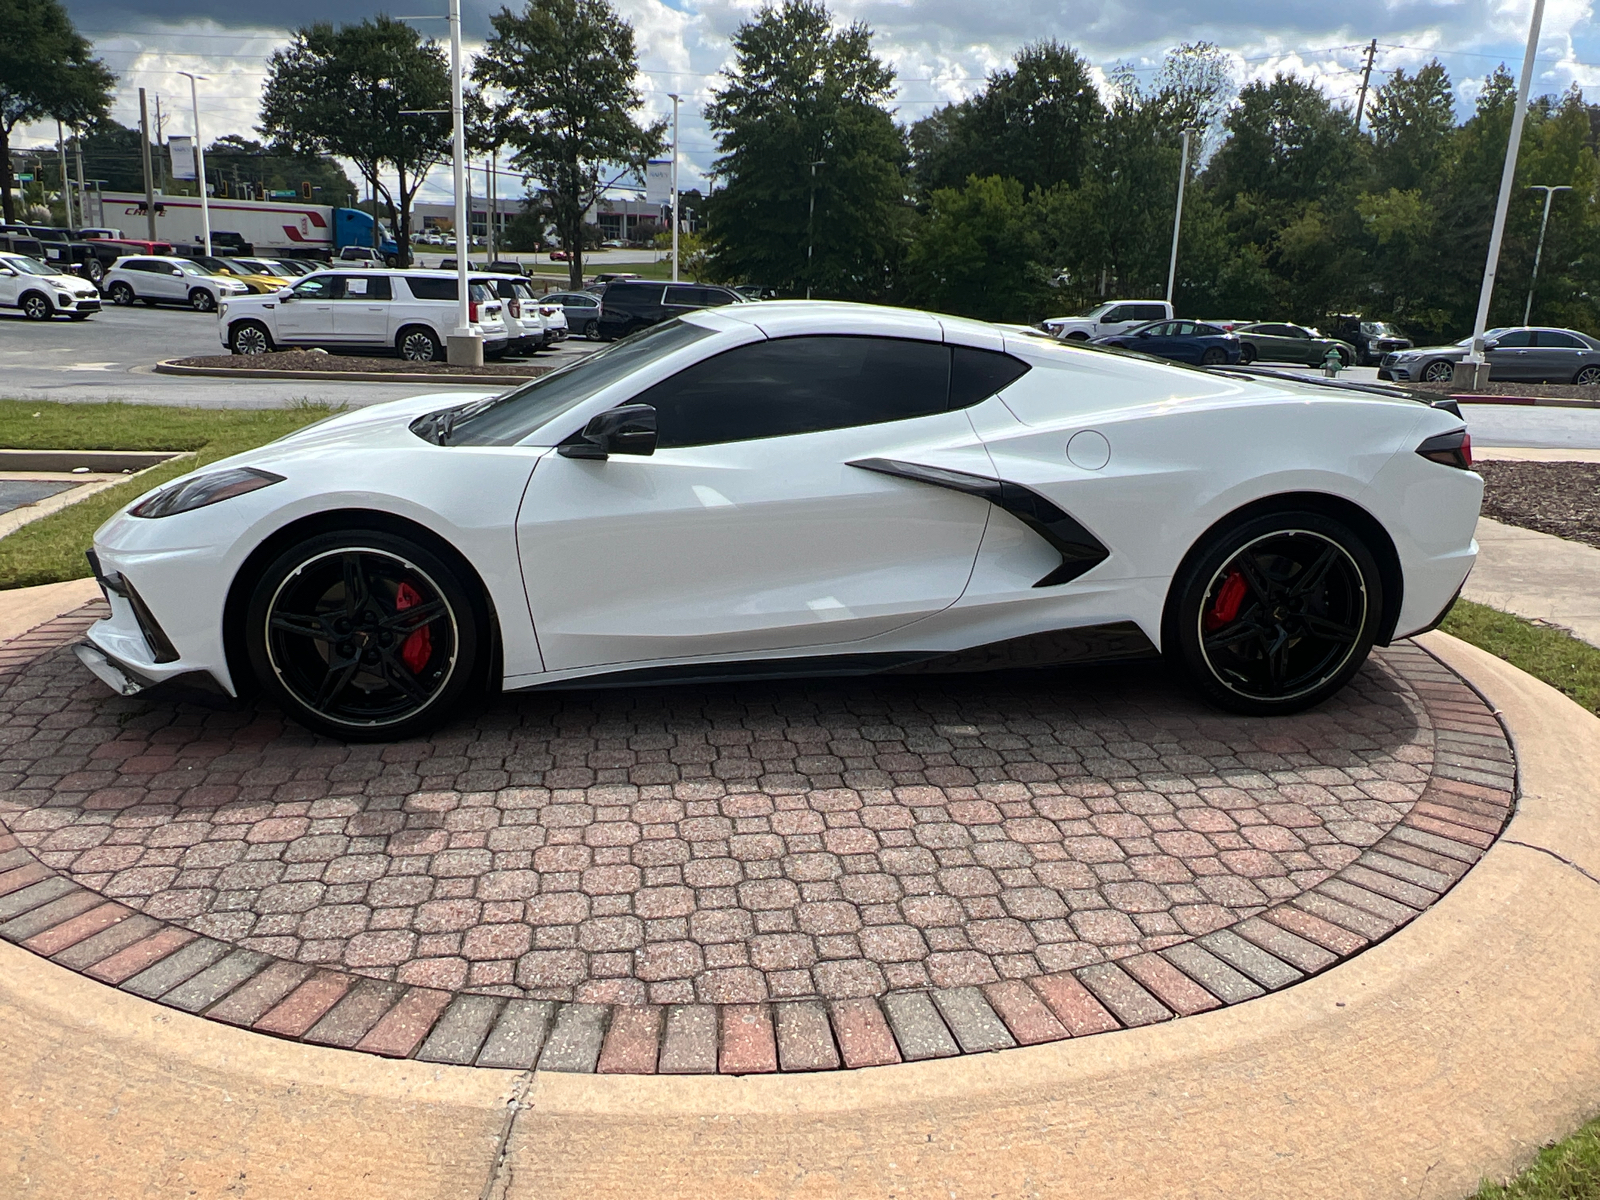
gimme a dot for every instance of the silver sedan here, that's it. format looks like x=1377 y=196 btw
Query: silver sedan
x=1524 y=354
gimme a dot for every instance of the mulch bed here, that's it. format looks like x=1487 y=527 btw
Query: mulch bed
x=1559 y=391
x=301 y=360
x=1559 y=498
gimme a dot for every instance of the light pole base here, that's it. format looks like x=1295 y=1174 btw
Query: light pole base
x=465 y=350
x=1469 y=375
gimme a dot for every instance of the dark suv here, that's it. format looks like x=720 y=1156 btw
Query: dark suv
x=631 y=304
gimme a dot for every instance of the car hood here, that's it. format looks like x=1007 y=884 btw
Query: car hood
x=1439 y=350
x=362 y=429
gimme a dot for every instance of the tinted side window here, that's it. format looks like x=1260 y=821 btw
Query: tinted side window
x=424 y=287
x=319 y=287
x=1516 y=339
x=800 y=385
x=1148 y=312
x=631 y=299
x=1565 y=341
x=1123 y=313
x=978 y=374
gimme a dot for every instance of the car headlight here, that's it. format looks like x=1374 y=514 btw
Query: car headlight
x=190 y=494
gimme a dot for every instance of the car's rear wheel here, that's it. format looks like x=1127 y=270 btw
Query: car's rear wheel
x=1587 y=377
x=591 y=330
x=250 y=337
x=1247 y=354
x=94 y=270
x=1213 y=357
x=121 y=294
x=1276 y=613
x=1439 y=371
x=201 y=300
x=365 y=635
x=417 y=343
x=37 y=307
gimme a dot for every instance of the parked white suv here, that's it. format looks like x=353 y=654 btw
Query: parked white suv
x=1117 y=316
x=530 y=323
x=168 y=280
x=41 y=290
x=410 y=311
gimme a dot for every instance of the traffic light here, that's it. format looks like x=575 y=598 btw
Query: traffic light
x=305 y=189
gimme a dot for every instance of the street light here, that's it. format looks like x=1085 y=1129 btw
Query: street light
x=1177 y=217
x=811 y=217
x=674 y=96
x=1549 y=195
x=200 y=160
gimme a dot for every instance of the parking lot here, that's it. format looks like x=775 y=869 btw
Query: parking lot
x=112 y=355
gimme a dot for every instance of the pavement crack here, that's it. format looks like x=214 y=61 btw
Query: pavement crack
x=498 y=1170
x=1543 y=850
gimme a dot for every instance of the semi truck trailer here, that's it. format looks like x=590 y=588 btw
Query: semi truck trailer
x=281 y=228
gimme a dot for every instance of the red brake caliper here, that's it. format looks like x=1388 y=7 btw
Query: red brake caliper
x=417 y=649
x=1225 y=608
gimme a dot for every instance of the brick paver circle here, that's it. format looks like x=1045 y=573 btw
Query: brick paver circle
x=849 y=847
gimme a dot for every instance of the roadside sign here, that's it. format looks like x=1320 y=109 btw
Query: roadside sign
x=287 y=194
x=24 y=178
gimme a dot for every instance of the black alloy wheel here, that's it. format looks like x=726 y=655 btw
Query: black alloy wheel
x=1277 y=614
x=121 y=294
x=1587 y=377
x=417 y=344
x=1247 y=354
x=36 y=307
x=202 y=301
x=251 y=337
x=364 y=636
x=1439 y=371
x=1213 y=357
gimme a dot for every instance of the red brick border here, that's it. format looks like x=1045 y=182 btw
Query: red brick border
x=1464 y=806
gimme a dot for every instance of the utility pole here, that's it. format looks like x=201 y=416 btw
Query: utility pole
x=200 y=161
x=1177 y=217
x=66 y=190
x=811 y=218
x=1549 y=195
x=466 y=341
x=494 y=208
x=675 y=187
x=161 y=147
x=149 y=175
x=77 y=155
x=1366 y=77
x=1472 y=372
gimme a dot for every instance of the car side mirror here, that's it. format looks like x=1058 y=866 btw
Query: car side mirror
x=630 y=429
x=1143 y=333
x=6 y=271
x=1491 y=345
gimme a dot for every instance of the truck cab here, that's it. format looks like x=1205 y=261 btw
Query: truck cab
x=353 y=228
x=1108 y=319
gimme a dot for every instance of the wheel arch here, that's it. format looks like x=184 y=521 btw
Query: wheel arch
x=1368 y=527
x=337 y=520
x=22 y=297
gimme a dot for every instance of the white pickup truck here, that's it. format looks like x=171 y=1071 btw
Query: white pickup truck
x=1115 y=316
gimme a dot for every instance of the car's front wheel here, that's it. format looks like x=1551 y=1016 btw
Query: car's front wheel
x=1247 y=354
x=250 y=337
x=419 y=344
x=591 y=331
x=1439 y=371
x=1213 y=357
x=37 y=307
x=365 y=635
x=94 y=270
x=121 y=294
x=1276 y=613
x=201 y=300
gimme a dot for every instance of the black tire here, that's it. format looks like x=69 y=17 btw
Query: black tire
x=1213 y=357
x=1440 y=370
x=36 y=306
x=1346 y=359
x=1587 y=377
x=1247 y=354
x=121 y=294
x=250 y=337
x=329 y=640
x=94 y=271
x=202 y=301
x=418 y=343
x=1274 y=614
x=591 y=331
x=1076 y=335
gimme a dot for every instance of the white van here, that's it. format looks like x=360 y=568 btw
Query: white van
x=411 y=311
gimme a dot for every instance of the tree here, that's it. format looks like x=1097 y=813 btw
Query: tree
x=813 y=160
x=1413 y=117
x=350 y=92
x=45 y=71
x=561 y=79
x=977 y=253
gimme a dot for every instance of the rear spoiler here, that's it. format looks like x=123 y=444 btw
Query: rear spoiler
x=1447 y=403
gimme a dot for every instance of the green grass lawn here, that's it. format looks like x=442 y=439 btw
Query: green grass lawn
x=1559 y=659
x=51 y=549
x=1569 y=1170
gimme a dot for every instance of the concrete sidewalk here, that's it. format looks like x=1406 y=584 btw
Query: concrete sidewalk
x=1537 y=576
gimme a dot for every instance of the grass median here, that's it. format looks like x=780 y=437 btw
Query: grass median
x=50 y=549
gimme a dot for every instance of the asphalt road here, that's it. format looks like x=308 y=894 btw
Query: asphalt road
x=109 y=357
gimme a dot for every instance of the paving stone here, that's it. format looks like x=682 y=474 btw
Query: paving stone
x=251 y=1001
x=35 y=892
x=1366 y=900
x=216 y=981
x=1270 y=972
x=57 y=938
x=461 y=1031
x=1395 y=889
x=863 y=1035
x=1298 y=952
x=1216 y=976
x=402 y=1029
x=633 y=1041
x=518 y=1036
x=1122 y=995
x=304 y=1007
x=126 y=963
x=1026 y=1016
x=47 y=916
x=1074 y=1005
x=918 y=1028
x=574 y=1043
x=1409 y=869
x=350 y=1020
x=805 y=1038
x=174 y=969
x=748 y=1046
x=1338 y=913
x=689 y=1044
x=1168 y=984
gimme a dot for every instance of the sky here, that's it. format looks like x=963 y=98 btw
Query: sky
x=942 y=50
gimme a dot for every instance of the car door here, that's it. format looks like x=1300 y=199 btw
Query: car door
x=1511 y=360
x=361 y=310
x=10 y=284
x=306 y=317
x=163 y=281
x=1557 y=357
x=749 y=529
x=1152 y=339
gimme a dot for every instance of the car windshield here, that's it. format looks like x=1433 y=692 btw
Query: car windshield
x=506 y=420
x=32 y=266
x=1095 y=311
x=189 y=267
x=1379 y=329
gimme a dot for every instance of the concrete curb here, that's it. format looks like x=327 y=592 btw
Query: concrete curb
x=173 y=367
x=1527 y=401
x=1412 y=1069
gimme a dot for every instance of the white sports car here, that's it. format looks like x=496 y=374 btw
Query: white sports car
x=794 y=488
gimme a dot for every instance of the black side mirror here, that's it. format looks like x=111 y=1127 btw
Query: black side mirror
x=1491 y=345
x=630 y=429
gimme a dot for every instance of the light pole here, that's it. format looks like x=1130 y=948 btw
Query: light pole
x=674 y=96
x=1177 y=218
x=466 y=342
x=200 y=161
x=1549 y=195
x=811 y=217
x=1472 y=372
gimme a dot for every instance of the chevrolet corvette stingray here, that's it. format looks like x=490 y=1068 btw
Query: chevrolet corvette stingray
x=796 y=488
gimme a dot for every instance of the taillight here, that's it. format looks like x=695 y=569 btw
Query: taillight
x=516 y=308
x=472 y=311
x=1453 y=449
